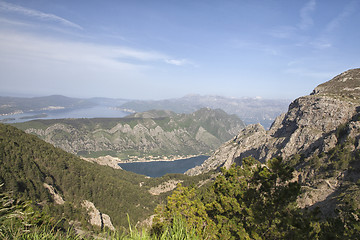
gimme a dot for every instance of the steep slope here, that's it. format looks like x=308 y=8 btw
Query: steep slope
x=64 y=185
x=319 y=136
x=309 y=126
x=33 y=169
x=150 y=133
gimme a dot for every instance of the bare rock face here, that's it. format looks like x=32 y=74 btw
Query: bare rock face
x=164 y=187
x=57 y=198
x=96 y=217
x=308 y=127
x=105 y=161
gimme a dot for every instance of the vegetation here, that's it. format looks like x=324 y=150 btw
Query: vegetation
x=243 y=203
x=255 y=202
x=19 y=220
x=26 y=163
x=252 y=201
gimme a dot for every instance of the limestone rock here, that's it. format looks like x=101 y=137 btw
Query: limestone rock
x=309 y=126
x=164 y=187
x=106 y=161
x=57 y=198
x=96 y=217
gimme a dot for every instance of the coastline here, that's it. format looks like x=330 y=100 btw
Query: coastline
x=114 y=161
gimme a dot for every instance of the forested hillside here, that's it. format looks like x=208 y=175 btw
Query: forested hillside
x=26 y=163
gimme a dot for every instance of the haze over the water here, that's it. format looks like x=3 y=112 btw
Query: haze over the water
x=167 y=49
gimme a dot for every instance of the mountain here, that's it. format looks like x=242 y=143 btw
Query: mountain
x=319 y=136
x=250 y=110
x=154 y=133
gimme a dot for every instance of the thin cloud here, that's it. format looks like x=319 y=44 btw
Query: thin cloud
x=324 y=40
x=321 y=44
x=255 y=46
x=31 y=46
x=177 y=62
x=346 y=12
x=283 y=32
x=306 y=19
x=8 y=7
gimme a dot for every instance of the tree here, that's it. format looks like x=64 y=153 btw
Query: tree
x=184 y=204
x=252 y=201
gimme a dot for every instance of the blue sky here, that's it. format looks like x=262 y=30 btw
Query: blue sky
x=162 y=49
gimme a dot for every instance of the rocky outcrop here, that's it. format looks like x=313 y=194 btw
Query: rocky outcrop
x=57 y=198
x=164 y=187
x=96 y=218
x=307 y=128
x=105 y=161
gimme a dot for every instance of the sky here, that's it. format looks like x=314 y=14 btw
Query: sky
x=159 y=49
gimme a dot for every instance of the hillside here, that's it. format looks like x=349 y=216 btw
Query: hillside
x=59 y=183
x=319 y=136
x=155 y=133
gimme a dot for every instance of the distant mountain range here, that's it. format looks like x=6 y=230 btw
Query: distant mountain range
x=250 y=110
x=13 y=105
x=155 y=133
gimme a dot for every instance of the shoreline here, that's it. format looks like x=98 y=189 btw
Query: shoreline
x=114 y=161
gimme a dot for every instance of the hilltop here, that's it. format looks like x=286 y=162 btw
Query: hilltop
x=345 y=84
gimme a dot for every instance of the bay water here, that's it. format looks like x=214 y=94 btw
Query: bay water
x=160 y=168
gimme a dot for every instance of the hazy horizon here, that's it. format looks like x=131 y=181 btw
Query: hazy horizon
x=17 y=95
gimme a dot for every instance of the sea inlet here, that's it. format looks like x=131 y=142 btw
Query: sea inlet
x=160 y=168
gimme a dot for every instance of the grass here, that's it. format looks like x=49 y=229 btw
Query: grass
x=19 y=221
x=178 y=231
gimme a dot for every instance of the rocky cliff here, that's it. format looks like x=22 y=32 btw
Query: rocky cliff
x=307 y=128
x=151 y=133
x=319 y=136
